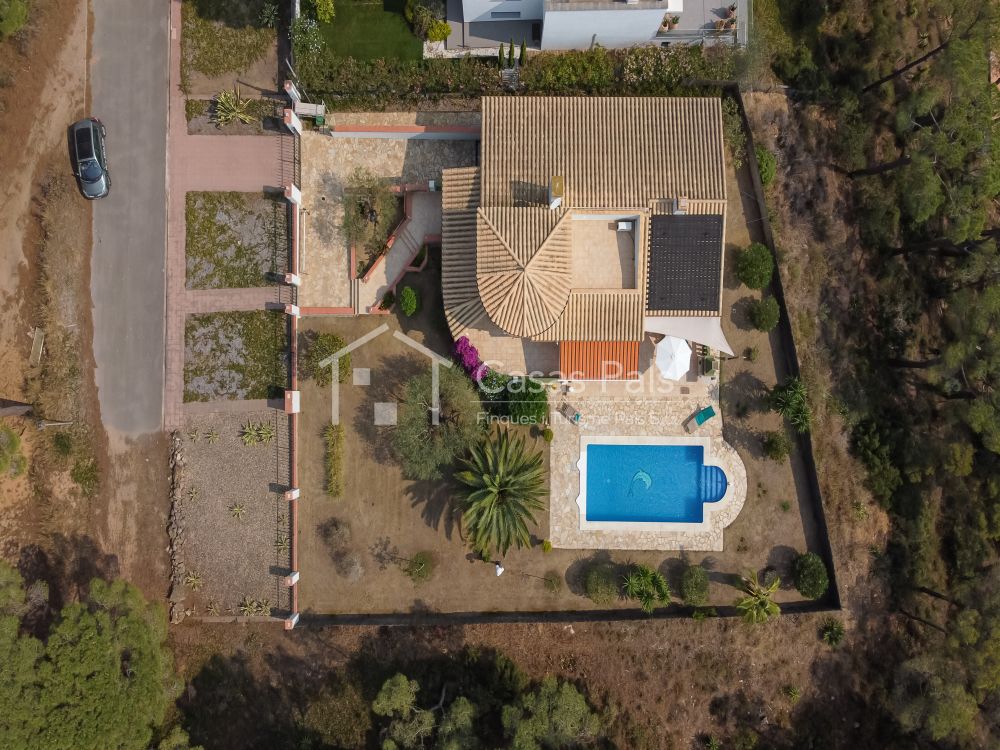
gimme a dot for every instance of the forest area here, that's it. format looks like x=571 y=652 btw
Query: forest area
x=910 y=91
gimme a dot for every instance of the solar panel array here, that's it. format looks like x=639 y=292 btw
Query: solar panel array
x=685 y=263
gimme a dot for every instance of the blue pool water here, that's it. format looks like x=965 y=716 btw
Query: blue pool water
x=650 y=483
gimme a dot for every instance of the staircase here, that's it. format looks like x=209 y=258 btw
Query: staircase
x=713 y=484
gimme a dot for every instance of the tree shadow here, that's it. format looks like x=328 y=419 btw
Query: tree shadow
x=576 y=573
x=394 y=372
x=740 y=313
x=436 y=500
x=67 y=565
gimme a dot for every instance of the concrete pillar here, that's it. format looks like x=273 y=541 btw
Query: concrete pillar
x=292 y=494
x=291 y=579
x=292 y=121
x=293 y=310
x=293 y=195
x=292 y=92
x=292 y=404
x=293 y=279
x=291 y=621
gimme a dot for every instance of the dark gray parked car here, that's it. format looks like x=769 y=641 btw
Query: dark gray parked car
x=90 y=161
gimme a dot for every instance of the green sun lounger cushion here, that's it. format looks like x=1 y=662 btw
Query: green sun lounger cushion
x=704 y=415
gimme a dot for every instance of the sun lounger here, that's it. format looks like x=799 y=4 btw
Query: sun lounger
x=570 y=412
x=699 y=419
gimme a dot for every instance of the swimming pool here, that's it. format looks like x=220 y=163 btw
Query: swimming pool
x=648 y=482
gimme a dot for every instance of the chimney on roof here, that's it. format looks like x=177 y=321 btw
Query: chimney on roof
x=556 y=191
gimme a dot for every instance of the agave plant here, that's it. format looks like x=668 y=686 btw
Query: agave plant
x=236 y=510
x=192 y=494
x=247 y=606
x=282 y=544
x=193 y=435
x=192 y=580
x=212 y=608
x=647 y=586
x=265 y=432
x=212 y=436
x=250 y=433
x=230 y=107
x=506 y=485
x=791 y=400
x=758 y=606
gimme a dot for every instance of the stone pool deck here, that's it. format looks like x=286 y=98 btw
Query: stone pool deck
x=620 y=414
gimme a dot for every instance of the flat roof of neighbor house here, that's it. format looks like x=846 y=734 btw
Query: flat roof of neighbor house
x=684 y=263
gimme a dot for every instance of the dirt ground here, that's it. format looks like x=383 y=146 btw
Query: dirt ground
x=45 y=523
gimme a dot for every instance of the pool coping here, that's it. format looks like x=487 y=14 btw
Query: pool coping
x=715 y=515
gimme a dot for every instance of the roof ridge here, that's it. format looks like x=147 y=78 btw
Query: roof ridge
x=501 y=238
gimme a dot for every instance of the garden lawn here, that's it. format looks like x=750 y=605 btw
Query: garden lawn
x=234 y=240
x=371 y=30
x=235 y=355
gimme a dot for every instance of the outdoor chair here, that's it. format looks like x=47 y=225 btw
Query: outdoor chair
x=570 y=412
x=699 y=418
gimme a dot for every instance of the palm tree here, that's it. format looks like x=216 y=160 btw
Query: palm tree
x=757 y=606
x=648 y=586
x=506 y=485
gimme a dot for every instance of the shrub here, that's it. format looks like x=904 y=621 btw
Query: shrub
x=438 y=31
x=547 y=435
x=703 y=613
x=832 y=632
x=871 y=444
x=340 y=715
x=553 y=581
x=467 y=356
x=420 y=567
x=62 y=442
x=85 y=473
x=601 y=583
x=546 y=546
x=408 y=301
x=333 y=438
x=268 y=16
x=324 y=10
x=13 y=16
x=732 y=131
x=777 y=446
x=791 y=400
x=810 y=576
x=318 y=347
x=11 y=459
x=306 y=39
x=755 y=266
x=527 y=401
x=766 y=165
x=388 y=300
x=694 y=586
x=764 y=314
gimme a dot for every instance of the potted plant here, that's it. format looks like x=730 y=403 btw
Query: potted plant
x=672 y=22
x=731 y=11
x=720 y=24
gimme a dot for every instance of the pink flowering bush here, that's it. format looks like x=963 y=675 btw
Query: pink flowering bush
x=468 y=357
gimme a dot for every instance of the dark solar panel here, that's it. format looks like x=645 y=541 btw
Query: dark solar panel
x=685 y=263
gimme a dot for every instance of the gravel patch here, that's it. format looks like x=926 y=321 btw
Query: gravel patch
x=234 y=558
x=235 y=240
x=235 y=355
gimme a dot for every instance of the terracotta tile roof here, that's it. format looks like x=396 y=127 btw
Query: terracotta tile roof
x=598 y=315
x=459 y=201
x=613 y=152
x=599 y=360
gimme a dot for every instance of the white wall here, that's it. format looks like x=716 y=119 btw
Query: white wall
x=480 y=10
x=621 y=27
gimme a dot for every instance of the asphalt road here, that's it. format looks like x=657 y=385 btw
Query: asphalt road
x=129 y=85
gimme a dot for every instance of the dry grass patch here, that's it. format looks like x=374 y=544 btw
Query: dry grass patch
x=218 y=38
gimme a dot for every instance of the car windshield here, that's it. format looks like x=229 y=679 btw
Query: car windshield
x=91 y=171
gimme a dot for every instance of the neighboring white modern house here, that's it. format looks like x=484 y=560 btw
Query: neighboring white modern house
x=582 y=24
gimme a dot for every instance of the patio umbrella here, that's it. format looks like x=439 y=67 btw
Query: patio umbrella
x=673 y=358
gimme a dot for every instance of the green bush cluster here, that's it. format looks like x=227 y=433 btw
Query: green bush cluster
x=755 y=266
x=12 y=461
x=694 y=586
x=317 y=347
x=646 y=586
x=810 y=575
x=777 y=445
x=766 y=165
x=601 y=583
x=333 y=440
x=13 y=16
x=408 y=301
x=420 y=567
x=524 y=400
x=765 y=314
x=791 y=400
